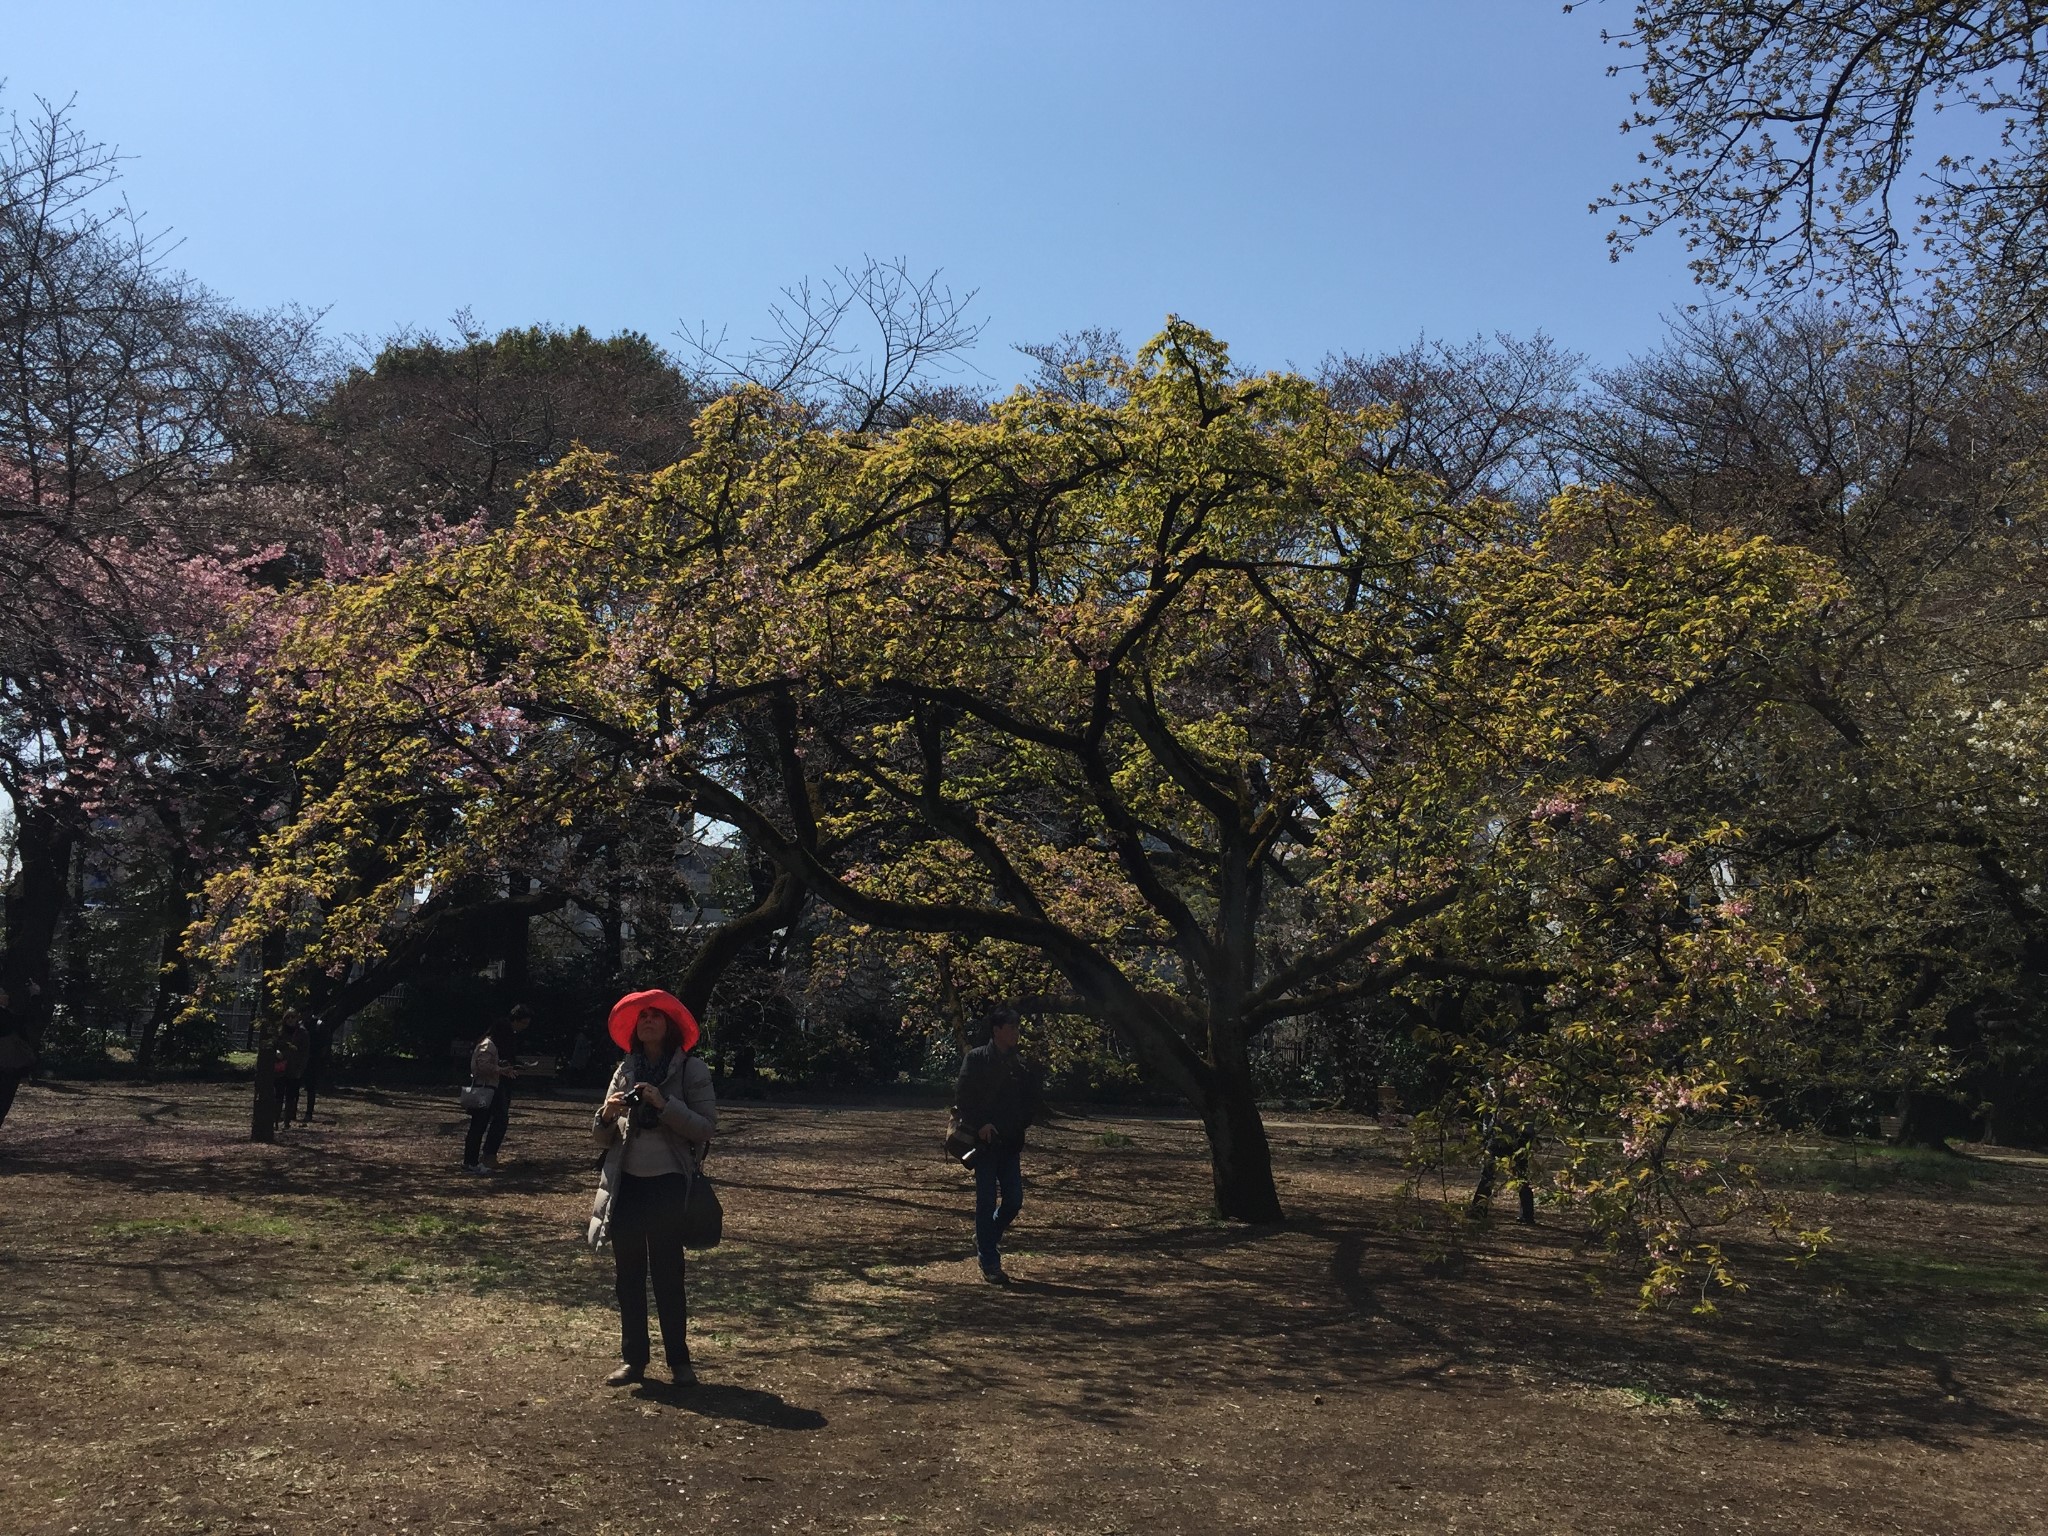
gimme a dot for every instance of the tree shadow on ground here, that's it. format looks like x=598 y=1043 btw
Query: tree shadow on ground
x=1119 y=1273
x=1338 y=1296
x=1781 y=1364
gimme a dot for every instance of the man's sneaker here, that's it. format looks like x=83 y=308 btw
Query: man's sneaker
x=995 y=1276
x=626 y=1375
x=488 y=1165
x=684 y=1376
x=474 y=1168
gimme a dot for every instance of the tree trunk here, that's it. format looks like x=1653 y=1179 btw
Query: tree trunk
x=263 y=1102
x=174 y=972
x=1219 y=1090
x=777 y=907
x=1927 y=1120
x=518 y=947
x=263 y=1107
x=1240 y=1161
x=35 y=902
x=612 y=929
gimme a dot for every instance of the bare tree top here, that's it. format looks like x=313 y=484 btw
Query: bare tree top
x=122 y=376
x=862 y=347
x=1480 y=417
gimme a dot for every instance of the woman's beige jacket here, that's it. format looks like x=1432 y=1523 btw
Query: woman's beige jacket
x=689 y=1116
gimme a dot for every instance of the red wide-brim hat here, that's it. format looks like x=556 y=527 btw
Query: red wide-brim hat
x=626 y=1015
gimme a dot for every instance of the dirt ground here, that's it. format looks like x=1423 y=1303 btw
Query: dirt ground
x=346 y=1333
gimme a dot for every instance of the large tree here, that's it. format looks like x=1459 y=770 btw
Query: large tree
x=452 y=426
x=1891 y=799
x=1165 y=690
x=125 y=391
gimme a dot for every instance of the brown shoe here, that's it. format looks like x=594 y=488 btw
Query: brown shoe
x=626 y=1376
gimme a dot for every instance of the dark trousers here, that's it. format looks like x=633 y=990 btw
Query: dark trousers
x=487 y=1128
x=998 y=1196
x=312 y=1093
x=647 y=1243
x=288 y=1098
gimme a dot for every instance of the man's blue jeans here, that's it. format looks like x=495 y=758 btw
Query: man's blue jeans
x=997 y=1173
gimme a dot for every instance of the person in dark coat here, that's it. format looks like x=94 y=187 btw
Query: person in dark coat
x=997 y=1099
x=294 y=1047
x=17 y=1054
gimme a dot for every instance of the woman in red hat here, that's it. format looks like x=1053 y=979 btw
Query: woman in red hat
x=655 y=1126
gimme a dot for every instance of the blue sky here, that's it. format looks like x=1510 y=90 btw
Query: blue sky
x=1298 y=177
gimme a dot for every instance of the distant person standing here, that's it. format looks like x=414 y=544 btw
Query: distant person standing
x=294 y=1047
x=17 y=1055
x=997 y=1099
x=492 y=1062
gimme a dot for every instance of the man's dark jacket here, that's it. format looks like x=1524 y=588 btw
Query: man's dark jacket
x=998 y=1088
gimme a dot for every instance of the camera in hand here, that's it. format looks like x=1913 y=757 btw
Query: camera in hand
x=643 y=1116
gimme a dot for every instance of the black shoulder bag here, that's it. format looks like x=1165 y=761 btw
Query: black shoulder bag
x=963 y=1145
x=703 y=1216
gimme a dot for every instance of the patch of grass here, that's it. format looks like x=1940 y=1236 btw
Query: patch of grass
x=1348 y=1153
x=1902 y=1271
x=428 y=1226
x=165 y=1226
x=1695 y=1402
x=1115 y=1139
x=1846 y=1168
x=496 y=1272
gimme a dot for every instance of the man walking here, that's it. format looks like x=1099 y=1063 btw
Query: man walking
x=997 y=1099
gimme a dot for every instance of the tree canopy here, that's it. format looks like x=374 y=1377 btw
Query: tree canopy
x=1783 y=138
x=1169 y=709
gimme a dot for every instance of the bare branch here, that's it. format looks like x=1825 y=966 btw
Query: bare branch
x=868 y=348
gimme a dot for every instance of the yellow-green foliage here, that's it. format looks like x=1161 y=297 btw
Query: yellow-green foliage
x=1173 y=710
